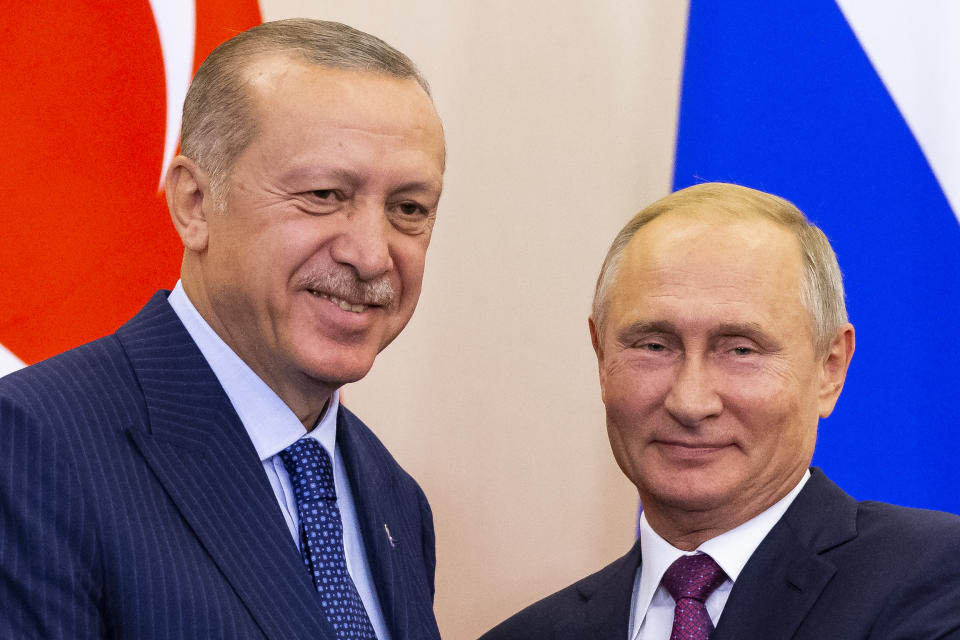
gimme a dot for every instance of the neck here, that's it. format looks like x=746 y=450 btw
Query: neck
x=312 y=420
x=687 y=527
x=307 y=397
x=683 y=536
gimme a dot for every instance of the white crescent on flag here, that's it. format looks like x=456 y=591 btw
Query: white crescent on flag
x=8 y=361
x=176 y=26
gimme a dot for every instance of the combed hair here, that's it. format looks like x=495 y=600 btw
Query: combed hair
x=821 y=289
x=218 y=119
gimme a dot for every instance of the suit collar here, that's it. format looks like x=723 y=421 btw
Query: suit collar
x=823 y=515
x=381 y=524
x=606 y=597
x=787 y=572
x=201 y=454
x=270 y=423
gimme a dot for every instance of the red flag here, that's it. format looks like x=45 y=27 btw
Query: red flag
x=86 y=237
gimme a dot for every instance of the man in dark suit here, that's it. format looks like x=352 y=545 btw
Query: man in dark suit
x=722 y=337
x=193 y=475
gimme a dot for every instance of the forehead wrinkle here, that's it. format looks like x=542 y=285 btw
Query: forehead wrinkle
x=304 y=166
x=680 y=273
x=389 y=128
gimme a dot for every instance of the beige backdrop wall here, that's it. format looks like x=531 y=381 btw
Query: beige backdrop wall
x=560 y=121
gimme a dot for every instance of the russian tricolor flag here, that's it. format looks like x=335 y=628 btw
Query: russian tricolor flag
x=851 y=109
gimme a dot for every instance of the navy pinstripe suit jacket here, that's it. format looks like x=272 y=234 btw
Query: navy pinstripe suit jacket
x=133 y=504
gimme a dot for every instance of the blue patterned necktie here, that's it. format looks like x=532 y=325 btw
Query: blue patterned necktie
x=321 y=538
x=690 y=581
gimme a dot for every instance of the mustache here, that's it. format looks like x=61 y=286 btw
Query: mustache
x=344 y=284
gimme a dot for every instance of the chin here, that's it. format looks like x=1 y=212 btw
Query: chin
x=694 y=501
x=687 y=492
x=335 y=370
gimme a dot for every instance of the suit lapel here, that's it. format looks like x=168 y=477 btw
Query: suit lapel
x=381 y=522
x=607 y=597
x=201 y=455
x=786 y=574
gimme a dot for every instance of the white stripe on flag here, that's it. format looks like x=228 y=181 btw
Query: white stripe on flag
x=916 y=52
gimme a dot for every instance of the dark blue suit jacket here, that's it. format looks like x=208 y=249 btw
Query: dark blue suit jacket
x=133 y=504
x=831 y=569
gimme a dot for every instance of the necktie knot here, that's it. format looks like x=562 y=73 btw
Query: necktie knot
x=310 y=471
x=693 y=577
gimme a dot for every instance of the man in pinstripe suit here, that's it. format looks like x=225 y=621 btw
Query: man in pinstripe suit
x=142 y=493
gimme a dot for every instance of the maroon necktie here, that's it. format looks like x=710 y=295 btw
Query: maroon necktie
x=690 y=580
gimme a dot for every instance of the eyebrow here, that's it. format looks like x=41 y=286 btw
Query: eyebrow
x=420 y=186
x=353 y=178
x=631 y=332
x=751 y=330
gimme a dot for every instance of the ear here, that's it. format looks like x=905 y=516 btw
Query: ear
x=598 y=349
x=834 y=369
x=189 y=201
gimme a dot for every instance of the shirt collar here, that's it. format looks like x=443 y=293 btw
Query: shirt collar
x=270 y=423
x=731 y=549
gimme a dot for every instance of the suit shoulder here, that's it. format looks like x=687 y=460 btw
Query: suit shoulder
x=612 y=584
x=901 y=552
x=79 y=366
x=93 y=382
x=911 y=556
x=906 y=527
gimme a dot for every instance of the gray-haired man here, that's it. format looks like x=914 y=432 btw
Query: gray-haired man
x=194 y=475
x=722 y=338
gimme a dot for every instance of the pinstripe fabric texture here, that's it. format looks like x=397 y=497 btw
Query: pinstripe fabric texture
x=133 y=505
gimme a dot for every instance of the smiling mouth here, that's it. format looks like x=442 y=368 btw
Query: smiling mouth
x=690 y=450
x=340 y=302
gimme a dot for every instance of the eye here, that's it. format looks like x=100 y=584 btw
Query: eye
x=321 y=201
x=651 y=346
x=743 y=351
x=410 y=217
x=411 y=209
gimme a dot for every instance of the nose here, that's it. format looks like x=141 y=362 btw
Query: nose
x=692 y=397
x=364 y=242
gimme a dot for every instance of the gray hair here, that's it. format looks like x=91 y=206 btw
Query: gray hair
x=218 y=118
x=821 y=289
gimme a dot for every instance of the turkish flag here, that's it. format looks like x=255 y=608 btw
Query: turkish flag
x=86 y=133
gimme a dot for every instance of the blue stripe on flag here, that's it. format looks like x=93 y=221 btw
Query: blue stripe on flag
x=781 y=97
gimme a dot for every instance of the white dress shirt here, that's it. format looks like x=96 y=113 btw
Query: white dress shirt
x=651 y=610
x=272 y=427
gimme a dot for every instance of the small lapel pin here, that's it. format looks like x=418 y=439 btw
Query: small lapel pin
x=393 y=542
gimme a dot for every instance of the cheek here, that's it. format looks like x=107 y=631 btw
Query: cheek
x=633 y=410
x=620 y=445
x=770 y=387
x=772 y=413
x=630 y=396
x=409 y=259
